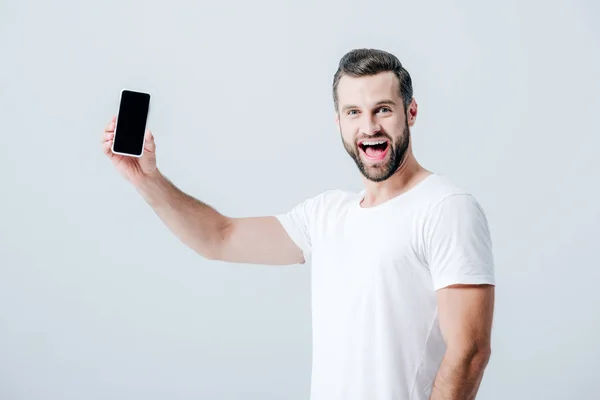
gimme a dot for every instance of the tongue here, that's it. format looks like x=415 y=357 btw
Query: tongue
x=374 y=152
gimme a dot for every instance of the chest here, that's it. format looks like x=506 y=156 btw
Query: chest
x=353 y=248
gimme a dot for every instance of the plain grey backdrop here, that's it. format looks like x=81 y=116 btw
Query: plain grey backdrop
x=99 y=300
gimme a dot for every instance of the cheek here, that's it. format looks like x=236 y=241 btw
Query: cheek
x=394 y=129
x=391 y=124
x=348 y=132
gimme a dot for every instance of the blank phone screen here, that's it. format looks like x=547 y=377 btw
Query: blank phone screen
x=131 y=123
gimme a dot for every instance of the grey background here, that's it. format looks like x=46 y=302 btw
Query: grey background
x=99 y=300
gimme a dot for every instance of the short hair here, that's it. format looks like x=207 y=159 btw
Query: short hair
x=366 y=62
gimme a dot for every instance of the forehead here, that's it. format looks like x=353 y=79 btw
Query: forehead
x=367 y=90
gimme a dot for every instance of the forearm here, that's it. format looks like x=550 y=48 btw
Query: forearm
x=459 y=377
x=195 y=223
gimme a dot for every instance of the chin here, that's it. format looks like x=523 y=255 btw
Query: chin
x=379 y=177
x=377 y=172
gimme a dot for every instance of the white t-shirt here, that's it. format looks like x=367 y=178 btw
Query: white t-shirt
x=373 y=280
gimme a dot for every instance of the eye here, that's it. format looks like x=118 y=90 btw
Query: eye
x=352 y=112
x=384 y=109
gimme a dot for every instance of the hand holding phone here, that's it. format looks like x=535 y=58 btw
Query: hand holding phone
x=127 y=142
x=130 y=129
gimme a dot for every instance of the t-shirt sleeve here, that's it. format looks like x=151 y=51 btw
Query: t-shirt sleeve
x=457 y=243
x=297 y=222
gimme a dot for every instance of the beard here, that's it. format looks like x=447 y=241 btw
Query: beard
x=381 y=171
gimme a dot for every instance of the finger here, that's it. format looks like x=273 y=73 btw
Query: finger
x=107 y=147
x=111 y=126
x=107 y=136
x=149 y=143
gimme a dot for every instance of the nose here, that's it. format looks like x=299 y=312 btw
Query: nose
x=370 y=126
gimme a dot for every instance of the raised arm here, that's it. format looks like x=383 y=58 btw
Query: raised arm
x=252 y=240
x=256 y=240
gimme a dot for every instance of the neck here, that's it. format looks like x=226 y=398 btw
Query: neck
x=406 y=177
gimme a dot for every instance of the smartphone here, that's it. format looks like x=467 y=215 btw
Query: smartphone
x=130 y=127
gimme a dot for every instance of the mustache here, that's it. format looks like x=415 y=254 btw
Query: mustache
x=379 y=135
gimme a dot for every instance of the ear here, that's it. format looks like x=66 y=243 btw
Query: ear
x=411 y=112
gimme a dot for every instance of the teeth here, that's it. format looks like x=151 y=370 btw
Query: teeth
x=373 y=142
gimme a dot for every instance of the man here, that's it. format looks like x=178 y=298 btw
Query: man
x=402 y=272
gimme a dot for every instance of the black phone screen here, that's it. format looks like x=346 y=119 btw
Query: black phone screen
x=131 y=123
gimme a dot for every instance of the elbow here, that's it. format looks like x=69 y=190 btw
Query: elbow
x=482 y=357
x=209 y=252
x=213 y=250
x=479 y=357
x=209 y=248
x=212 y=256
x=476 y=356
x=216 y=248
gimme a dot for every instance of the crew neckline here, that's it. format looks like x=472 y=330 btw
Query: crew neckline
x=361 y=195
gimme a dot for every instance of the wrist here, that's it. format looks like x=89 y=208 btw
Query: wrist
x=151 y=185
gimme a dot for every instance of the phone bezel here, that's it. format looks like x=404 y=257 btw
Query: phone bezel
x=117 y=122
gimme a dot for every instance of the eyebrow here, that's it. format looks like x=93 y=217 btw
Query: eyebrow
x=379 y=103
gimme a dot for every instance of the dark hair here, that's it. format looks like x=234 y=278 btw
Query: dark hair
x=365 y=62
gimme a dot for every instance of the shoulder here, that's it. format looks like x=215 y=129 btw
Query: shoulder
x=453 y=212
x=439 y=187
x=441 y=194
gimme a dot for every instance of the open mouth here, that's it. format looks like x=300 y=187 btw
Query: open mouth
x=374 y=149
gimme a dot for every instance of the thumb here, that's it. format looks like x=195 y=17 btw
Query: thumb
x=149 y=144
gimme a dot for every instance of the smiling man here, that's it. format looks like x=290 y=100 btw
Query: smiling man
x=402 y=272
